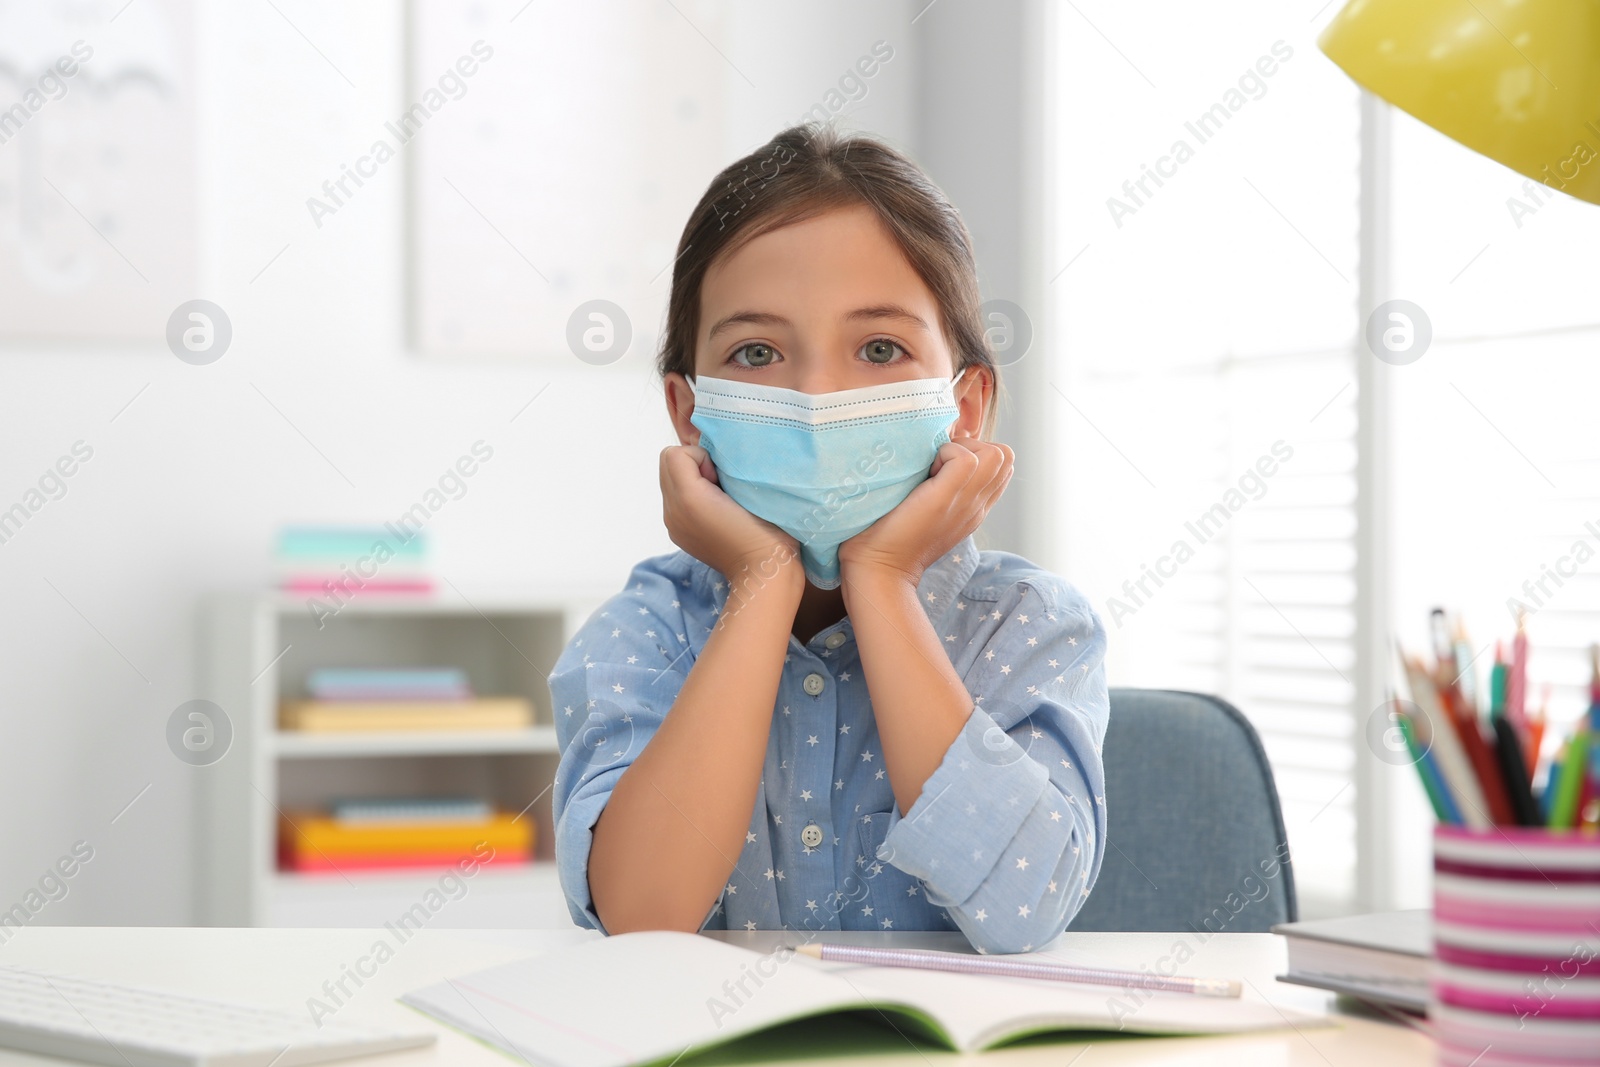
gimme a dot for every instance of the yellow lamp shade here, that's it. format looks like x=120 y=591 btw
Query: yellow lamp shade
x=1517 y=80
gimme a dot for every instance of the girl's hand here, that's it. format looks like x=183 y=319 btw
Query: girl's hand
x=705 y=522
x=968 y=476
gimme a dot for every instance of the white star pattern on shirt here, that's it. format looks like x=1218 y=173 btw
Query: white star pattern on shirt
x=932 y=852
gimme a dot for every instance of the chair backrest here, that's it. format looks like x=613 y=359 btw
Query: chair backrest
x=1195 y=837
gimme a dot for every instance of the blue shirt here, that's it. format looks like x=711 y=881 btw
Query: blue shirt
x=1005 y=840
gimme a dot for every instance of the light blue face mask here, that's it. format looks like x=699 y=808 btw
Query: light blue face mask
x=823 y=467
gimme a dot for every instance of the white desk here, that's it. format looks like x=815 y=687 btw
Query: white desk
x=285 y=967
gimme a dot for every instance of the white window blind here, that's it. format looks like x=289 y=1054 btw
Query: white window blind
x=1205 y=382
x=1498 y=429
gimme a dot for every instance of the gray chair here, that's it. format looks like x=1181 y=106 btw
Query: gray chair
x=1195 y=837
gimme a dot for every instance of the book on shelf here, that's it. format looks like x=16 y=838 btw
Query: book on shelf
x=314 y=841
x=386 y=558
x=342 y=716
x=403 y=683
x=391 y=811
x=1383 y=957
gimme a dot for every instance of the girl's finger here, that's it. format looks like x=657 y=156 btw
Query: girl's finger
x=966 y=465
x=948 y=451
x=997 y=488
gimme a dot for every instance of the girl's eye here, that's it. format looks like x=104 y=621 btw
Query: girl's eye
x=755 y=355
x=881 y=350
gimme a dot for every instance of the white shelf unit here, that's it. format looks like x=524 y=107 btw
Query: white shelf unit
x=258 y=650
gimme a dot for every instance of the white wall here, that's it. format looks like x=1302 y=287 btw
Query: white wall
x=187 y=486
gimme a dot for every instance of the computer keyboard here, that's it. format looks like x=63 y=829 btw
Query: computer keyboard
x=127 y=1026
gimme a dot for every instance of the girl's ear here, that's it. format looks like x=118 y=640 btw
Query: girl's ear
x=974 y=394
x=680 y=405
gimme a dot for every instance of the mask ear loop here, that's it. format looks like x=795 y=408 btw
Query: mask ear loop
x=957 y=379
x=691 y=385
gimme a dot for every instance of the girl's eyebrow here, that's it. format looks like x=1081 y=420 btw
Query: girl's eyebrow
x=767 y=318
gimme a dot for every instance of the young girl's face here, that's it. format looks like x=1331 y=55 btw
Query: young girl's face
x=825 y=304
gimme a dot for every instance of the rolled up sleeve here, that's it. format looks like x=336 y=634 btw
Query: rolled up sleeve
x=610 y=690
x=1008 y=833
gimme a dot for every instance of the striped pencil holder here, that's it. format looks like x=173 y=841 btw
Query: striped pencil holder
x=1516 y=946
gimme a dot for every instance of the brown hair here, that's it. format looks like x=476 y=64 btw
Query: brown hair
x=802 y=172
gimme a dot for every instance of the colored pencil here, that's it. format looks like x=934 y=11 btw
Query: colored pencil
x=1508 y=748
x=1454 y=767
x=1433 y=782
x=961 y=963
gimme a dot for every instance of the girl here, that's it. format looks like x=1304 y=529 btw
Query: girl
x=830 y=710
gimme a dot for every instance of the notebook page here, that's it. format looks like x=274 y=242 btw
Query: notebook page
x=632 y=998
x=979 y=1010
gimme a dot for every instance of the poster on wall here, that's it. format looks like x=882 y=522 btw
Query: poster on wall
x=97 y=174
x=554 y=154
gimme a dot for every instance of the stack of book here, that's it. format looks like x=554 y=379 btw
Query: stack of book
x=339 y=562
x=399 y=699
x=1384 y=958
x=402 y=832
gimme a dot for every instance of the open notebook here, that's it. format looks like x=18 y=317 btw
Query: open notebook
x=650 y=997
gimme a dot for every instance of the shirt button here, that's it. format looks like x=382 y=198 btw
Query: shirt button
x=813 y=684
x=811 y=836
x=834 y=640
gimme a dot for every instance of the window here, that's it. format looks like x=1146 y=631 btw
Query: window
x=1209 y=321
x=1207 y=185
